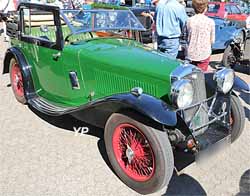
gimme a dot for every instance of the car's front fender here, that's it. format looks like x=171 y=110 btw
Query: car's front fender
x=146 y=105
x=149 y=106
x=211 y=85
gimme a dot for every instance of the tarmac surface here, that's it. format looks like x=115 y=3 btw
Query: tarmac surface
x=42 y=156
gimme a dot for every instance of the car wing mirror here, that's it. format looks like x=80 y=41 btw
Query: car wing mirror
x=44 y=28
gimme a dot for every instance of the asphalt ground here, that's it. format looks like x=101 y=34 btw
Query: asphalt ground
x=42 y=156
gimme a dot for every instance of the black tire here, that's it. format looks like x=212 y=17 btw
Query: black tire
x=228 y=59
x=238 y=118
x=20 y=98
x=161 y=148
x=242 y=40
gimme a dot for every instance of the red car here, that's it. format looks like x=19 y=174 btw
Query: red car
x=227 y=10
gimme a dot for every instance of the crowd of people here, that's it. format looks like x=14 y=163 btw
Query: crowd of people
x=171 y=21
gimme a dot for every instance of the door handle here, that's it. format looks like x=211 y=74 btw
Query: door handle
x=56 y=56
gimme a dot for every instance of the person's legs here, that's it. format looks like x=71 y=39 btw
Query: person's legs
x=169 y=46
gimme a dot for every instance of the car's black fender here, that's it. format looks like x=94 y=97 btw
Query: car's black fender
x=154 y=109
x=211 y=85
x=25 y=68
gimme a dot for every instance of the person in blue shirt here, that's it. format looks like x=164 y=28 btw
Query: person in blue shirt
x=170 y=19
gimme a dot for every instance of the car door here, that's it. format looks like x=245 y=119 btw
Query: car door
x=41 y=36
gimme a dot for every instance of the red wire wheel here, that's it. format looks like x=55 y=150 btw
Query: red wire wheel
x=16 y=79
x=133 y=152
x=140 y=155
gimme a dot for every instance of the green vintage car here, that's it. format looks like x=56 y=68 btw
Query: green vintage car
x=154 y=109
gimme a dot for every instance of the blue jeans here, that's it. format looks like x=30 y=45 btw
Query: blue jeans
x=168 y=46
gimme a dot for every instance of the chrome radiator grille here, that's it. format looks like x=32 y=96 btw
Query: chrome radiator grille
x=198 y=82
x=193 y=115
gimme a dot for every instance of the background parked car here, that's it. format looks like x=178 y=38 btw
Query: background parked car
x=231 y=38
x=226 y=10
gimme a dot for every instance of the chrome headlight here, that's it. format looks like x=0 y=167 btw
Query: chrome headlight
x=224 y=79
x=182 y=93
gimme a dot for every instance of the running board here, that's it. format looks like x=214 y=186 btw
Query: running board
x=48 y=108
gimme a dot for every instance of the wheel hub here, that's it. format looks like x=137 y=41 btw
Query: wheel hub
x=133 y=152
x=130 y=154
x=17 y=80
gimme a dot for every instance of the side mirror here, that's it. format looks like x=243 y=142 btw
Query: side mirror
x=44 y=28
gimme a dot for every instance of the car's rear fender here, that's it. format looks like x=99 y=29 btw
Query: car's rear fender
x=14 y=52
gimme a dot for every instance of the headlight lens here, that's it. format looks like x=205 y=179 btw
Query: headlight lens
x=224 y=79
x=182 y=93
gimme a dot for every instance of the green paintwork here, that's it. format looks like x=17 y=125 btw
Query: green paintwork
x=105 y=66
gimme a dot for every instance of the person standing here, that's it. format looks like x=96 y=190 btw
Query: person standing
x=170 y=19
x=201 y=35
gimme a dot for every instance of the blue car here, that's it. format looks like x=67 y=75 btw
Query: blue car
x=230 y=37
x=225 y=32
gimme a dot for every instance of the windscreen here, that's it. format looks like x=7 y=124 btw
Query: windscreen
x=213 y=8
x=98 y=20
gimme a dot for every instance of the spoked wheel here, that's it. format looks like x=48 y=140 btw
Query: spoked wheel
x=133 y=152
x=140 y=155
x=16 y=80
x=237 y=118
